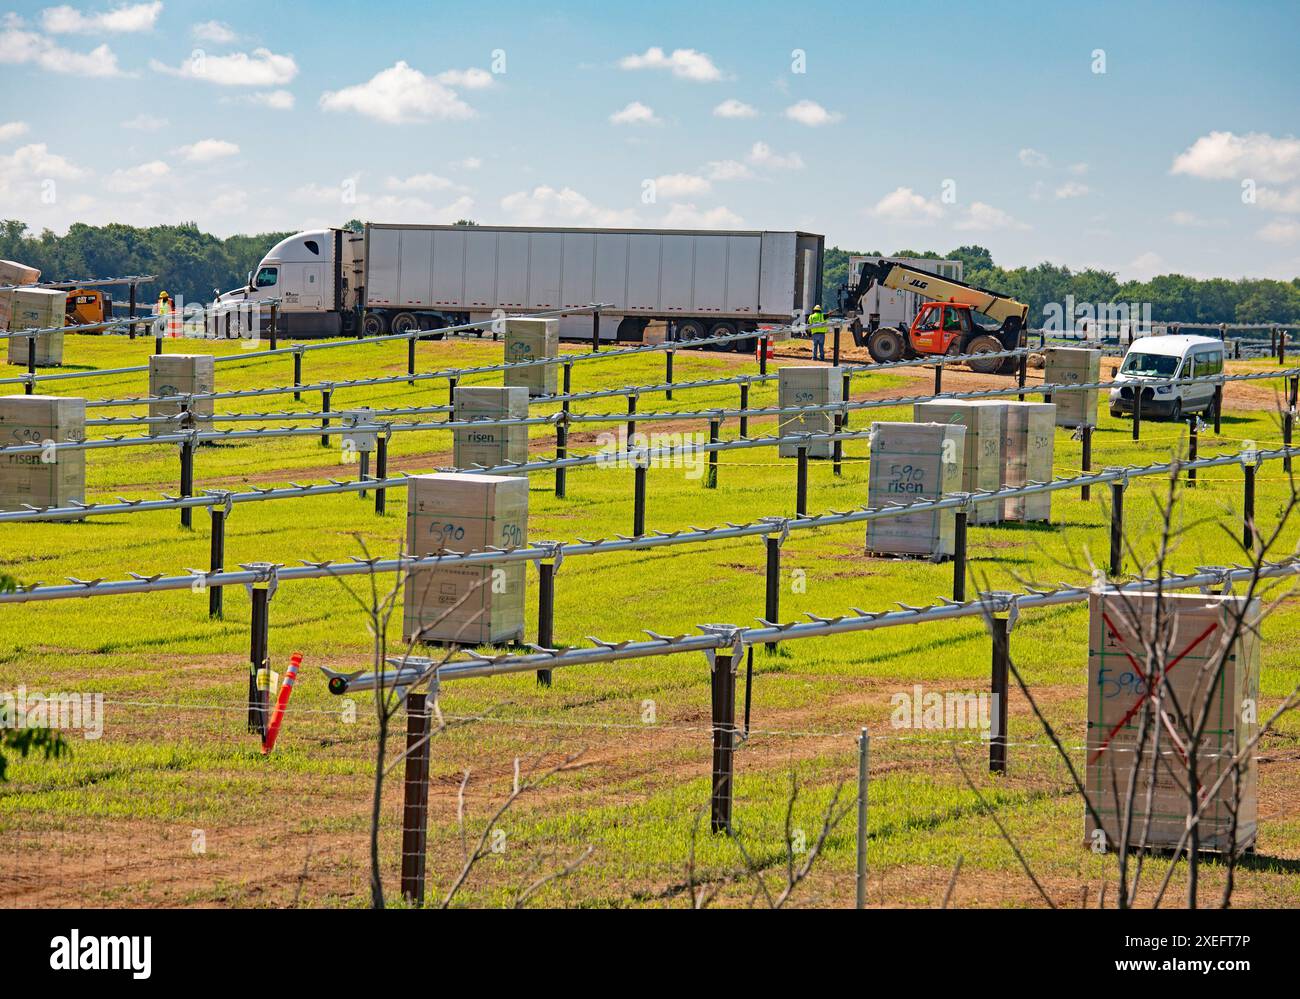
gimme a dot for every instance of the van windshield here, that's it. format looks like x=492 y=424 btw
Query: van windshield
x=1161 y=365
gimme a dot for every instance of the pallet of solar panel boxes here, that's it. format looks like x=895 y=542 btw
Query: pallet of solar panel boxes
x=985 y=423
x=54 y=477
x=34 y=309
x=476 y=603
x=911 y=462
x=491 y=446
x=532 y=340
x=1208 y=647
x=1073 y=366
x=817 y=385
x=173 y=375
x=13 y=273
x=1028 y=455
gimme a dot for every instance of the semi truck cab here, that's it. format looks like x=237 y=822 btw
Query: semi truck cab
x=309 y=275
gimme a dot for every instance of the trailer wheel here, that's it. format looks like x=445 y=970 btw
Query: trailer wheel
x=725 y=329
x=985 y=345
x=405 y=322
x=886 y=345
x=690 y=329
x=373 y=324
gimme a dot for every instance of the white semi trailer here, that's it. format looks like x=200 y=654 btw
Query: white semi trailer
x=399 y=278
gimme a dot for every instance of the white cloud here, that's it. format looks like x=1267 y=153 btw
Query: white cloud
x=123 y=19
x=678 y=185
x=20 y=47
x=1145 y=265
x=732 y=108
x=419 y=182
x=1186 y=218
x=1079 y=169
x=904 y=205
x=37 y=162
x=12 y=129
x=983 y=217
x=728 y=170
x=690 y=217
x=761 y=154
x=207 y=150
x=546 y=205
x=635 y=113
x=137 y=178
x=1226 y=155
x=1279 y=201
x=398 y=95
x=277 y=100
x=1071 y=189
x=812 y=114
x=686 y=64
x=145 y=122
x=1033 y=158
x=261 y=68
x=466 y=79
x=216 y=32
x=469 y=163
x=1280 y=232
x=402 y=204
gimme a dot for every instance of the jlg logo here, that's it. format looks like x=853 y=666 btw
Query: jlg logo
x=918 y=283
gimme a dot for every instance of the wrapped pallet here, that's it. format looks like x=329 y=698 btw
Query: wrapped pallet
x=53 y=478
x=532 y=340
x=490 y=447
x=1028 y=455
x=35 y=309
x=177 y=375
x=1073 y=366
x=1208 y=647
x=12 y=272
x=912 y=462
x=982 y=455
x=816 y=385
x=465 y=604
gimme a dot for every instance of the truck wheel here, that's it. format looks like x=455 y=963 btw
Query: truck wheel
x=886 y=345
x=985 y=345
x=374 y=324
x=405 y=322
x=1176 y=414
x=690 y=329
x=726 y=329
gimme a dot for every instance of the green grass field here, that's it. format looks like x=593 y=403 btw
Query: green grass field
x=120 y=821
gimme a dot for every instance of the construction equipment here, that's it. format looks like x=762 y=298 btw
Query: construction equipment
x=88 y=307
x=945 y=323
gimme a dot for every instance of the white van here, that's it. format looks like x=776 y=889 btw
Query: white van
x=1152 y=362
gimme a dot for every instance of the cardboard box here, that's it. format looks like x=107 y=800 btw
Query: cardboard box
x=478 y=604
x=815 y=385
x=1199 y=638
x=34 y=309
x=1073 y=366
x=181 y=374
x=490 y=446
x=911 y=462
x=1028 y=455
x=26 y=478
x=985 y=424
x=532 y=340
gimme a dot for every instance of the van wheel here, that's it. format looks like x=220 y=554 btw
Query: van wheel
x=373 y=324
x=1176 y=414
x=405 y=322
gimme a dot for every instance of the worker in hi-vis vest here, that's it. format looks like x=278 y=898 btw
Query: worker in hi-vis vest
x=817 y=327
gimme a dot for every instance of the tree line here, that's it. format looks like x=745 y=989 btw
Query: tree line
x=1173 y=297
x=193 y=264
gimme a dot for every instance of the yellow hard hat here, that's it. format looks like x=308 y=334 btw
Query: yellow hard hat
x=163 y=294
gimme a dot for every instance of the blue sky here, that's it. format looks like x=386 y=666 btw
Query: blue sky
x=1139 y=137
